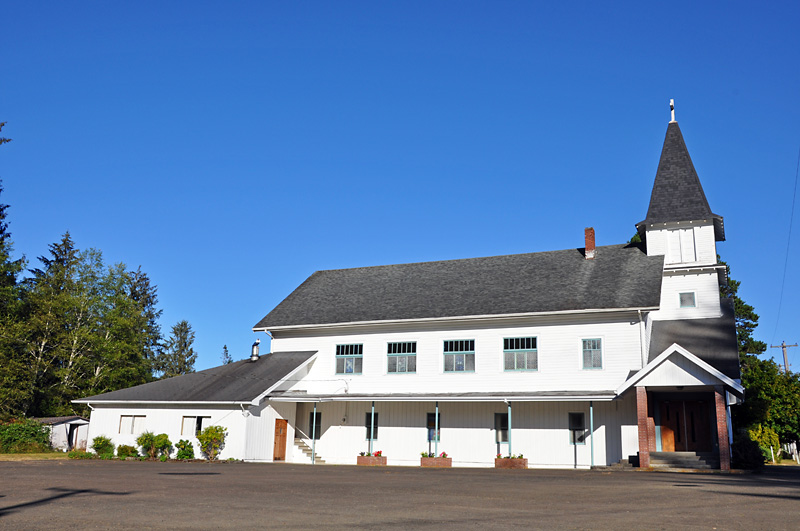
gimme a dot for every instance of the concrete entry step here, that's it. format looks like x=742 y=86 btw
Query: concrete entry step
x=306 y=449
x=693 y=460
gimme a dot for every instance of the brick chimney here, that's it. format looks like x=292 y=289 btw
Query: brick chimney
x=589 y=235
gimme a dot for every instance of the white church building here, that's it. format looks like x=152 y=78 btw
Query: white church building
x=573 y=358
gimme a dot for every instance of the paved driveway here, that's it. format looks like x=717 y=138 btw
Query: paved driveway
x=108 y=494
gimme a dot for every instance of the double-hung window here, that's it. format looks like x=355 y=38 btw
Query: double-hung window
x=192 y=426
x=402 y=357
x=314 y=425
x=459 y=355
x=371 y=427
x=349 y=358
x=520 y=354
x=131 y=424
x=592 y=354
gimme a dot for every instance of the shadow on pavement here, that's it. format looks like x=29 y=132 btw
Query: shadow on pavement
x=62 y=493
x=188 y=473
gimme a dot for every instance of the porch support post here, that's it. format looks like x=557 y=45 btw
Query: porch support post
x=372 y=427
x=436 y=432
x=722 y=429
x=591 y=430
x=644 y=439
x=509 y=428
x=314 y=435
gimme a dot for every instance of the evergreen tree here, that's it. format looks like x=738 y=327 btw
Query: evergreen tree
x=226 y=357
x=3 y=140
x=145 y=295
x=179 y=356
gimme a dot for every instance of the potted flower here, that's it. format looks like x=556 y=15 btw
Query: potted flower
x=510 y=461
x=371 y=459
x=432 y=460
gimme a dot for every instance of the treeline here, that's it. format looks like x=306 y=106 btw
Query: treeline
x=74 y=327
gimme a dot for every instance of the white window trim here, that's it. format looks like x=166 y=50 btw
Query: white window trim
x=602 y=353
x=694 y=299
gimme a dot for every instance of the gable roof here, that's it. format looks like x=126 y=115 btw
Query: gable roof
x=620 y=276
x=52 y=421
x=677 y=350
x=677 y=193
x=711 y=340
x=238 y=382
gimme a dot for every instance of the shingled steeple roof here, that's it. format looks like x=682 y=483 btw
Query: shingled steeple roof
x=677 y=192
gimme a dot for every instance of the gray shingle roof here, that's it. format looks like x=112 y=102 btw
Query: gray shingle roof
x=677 y=193
x=711 y=340
x=241 y=381
x=621 y=276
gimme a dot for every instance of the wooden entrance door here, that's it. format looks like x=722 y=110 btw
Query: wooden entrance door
x=685 y=426
x=279 y=448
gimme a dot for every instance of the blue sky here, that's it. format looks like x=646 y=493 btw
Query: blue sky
x=232 y=149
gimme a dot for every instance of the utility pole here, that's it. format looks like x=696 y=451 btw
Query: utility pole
x=783 y=346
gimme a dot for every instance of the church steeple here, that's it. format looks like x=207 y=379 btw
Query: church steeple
x=677 y=193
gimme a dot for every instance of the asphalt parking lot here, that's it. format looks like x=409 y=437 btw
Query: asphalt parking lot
x=114 y=495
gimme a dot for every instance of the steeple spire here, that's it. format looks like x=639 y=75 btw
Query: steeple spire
x=677 y=193
x=672 y=111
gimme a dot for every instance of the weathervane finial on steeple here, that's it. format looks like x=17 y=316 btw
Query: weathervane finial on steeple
x=672 y=109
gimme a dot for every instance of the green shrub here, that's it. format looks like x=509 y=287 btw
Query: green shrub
x=766 y=438
x=80 y=454
x=185 y=450
x=123 y=451
x=24 y=436
x=212 y=441
x=163 y=458
x=147 y=441
x=163 y=444
x=102 y=446
x=746 y=453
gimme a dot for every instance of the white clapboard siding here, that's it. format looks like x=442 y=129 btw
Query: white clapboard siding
x=686 y=243
x=704 y=285
x=105 y=421
x=559 y=344
x=539 y=431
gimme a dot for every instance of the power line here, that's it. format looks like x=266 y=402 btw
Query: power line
x=788 y=242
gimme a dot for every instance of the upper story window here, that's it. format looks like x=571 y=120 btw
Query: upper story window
x=402 y=357
x=687 y=300
x=520 y=354
x=459 y=355
x=680 y=246
x=349 y=358
x=592 y=354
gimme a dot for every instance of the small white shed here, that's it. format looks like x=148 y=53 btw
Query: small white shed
x=67 y=433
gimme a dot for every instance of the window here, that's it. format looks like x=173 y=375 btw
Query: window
x=402 y=357
x=192 y=426
x=501 y=427
x=592 y=354
x=314 y=425
x=687 y=300
x=520 y=354
x=459 y=355
x=433 y=435
x=131 y=424
x=577 y=428
x=367 y=420
x=680 y=246
x=348 y=359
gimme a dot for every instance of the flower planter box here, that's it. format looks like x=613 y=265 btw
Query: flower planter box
x=371 y=460
x=507 y=462
x=436 y=461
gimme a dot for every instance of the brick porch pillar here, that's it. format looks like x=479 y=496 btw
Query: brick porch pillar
x=722 y=429
x=644 y=431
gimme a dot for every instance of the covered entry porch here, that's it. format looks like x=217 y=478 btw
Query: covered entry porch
x=683 y=409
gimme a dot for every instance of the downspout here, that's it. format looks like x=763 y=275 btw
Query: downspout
x=641 y=339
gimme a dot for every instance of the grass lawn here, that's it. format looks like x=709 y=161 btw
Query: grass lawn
x=33 y=457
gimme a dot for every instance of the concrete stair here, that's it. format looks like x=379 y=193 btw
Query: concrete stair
x=621 y=465
x=690 y=460
x=306 y=449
